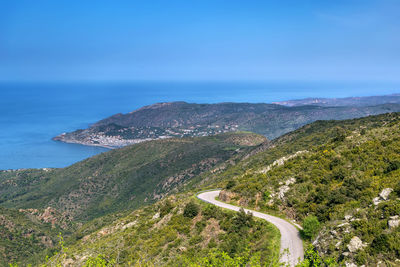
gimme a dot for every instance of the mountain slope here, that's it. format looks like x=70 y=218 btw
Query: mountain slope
x=341 y=175
x=180 y=119
x=177 y=231
x=25 y=233
x=121 y=179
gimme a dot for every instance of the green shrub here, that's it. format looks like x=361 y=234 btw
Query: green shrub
x=166 y=208
x=310 y=227
x=191 y=210
x=230 y=184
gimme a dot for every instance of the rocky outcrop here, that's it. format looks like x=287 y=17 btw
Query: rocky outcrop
x=226 y=196
x=49 y=215
x=385 y=193
x=281 y=161
x=355 y=244
x=394 y=222
x=383 y=196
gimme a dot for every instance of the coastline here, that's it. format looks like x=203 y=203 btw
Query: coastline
x=123 y=144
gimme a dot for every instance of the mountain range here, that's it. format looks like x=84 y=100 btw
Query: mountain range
x=181 y=119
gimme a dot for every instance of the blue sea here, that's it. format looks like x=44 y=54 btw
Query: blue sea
x=32 y=113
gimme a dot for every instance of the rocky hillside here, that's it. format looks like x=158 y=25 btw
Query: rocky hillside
x=181 y=119
x=340 y=179
x=177 y=231
x=25 y=233
x=121 y=179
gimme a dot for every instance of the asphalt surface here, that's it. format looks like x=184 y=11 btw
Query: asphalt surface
x=291 y=244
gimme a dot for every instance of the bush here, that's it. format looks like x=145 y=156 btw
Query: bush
x=242 y=219
x=310 y=227
x=392 y=166
x=191 y=210
x=230 y=184
x=166 y=208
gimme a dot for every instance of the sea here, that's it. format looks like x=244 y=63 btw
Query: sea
x=31 y=113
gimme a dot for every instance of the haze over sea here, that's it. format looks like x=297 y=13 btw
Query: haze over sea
x=32 y=113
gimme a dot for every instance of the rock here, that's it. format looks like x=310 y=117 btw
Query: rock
x=350 y=264
x=348 y=217
x=346 y=254
x=129 y=225
x=226 y=196
x=282 y=190
x=355 y=244
x=182 y=249
x=156 y=216
x=290 y=181
x=385 y=193
x=376 y=201
x=394 y=222
x=343 y=224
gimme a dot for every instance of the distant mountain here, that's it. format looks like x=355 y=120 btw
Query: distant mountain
x=348 y=101
x=181 y=119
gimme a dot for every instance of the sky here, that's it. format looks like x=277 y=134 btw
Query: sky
x=95 y=40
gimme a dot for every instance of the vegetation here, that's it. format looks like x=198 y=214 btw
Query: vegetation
x=310 y=227
x=212 y=237
x=121 y=179
x=22 y=236
x=338 y=179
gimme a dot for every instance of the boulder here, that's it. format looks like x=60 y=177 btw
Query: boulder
x=376 y=201
x=355 y=244
x=394 y=222
x=385 y=193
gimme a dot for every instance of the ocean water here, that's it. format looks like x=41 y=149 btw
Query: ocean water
x=32 y=113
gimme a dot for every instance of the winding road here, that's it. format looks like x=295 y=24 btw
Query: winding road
x=291 y=244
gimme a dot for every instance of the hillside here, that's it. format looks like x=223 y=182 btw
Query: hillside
x=177 y=231
x=181 y=119
x=121 y=179
x=340 y=177
x=25 y=233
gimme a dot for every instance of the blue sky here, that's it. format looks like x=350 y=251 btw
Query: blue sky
x=200 y=40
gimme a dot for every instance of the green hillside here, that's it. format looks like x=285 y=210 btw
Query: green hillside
x=178 y=231
x=26 y=233
x=345 y=173
x=121 y=179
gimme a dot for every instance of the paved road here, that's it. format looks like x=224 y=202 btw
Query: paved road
x=291 y=244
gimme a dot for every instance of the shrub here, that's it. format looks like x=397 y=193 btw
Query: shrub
x=191 y=210
x=392 y=166
x=310 y=227
x=166 y=208
x=230 y=184
x=242 y=219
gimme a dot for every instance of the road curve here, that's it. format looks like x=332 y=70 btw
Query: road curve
x=291 y=244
